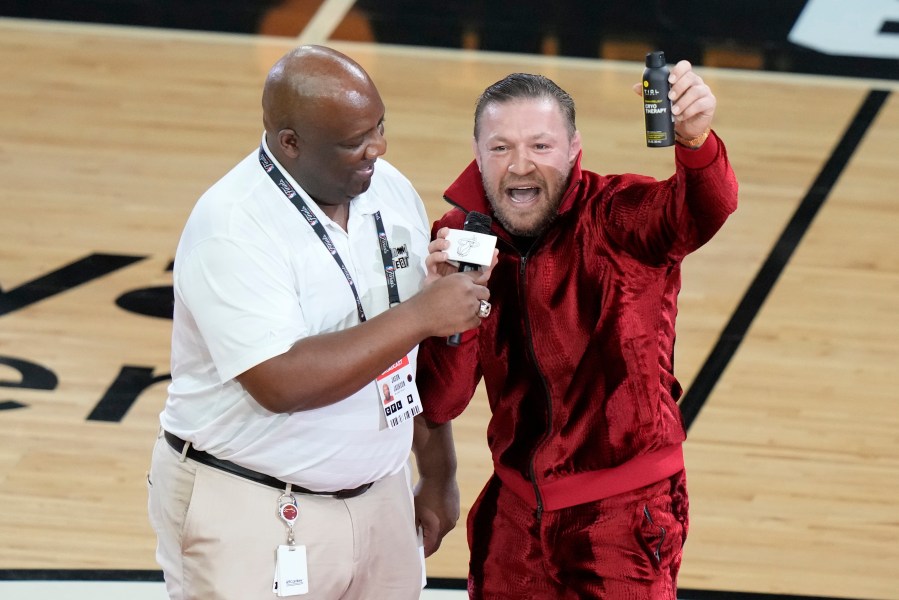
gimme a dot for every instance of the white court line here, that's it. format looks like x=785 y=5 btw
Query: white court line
x=325 y=21
x=138 y=590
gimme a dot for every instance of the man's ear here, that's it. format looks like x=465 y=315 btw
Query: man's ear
x=289 y=142
x=574 y=147
x=477 y=153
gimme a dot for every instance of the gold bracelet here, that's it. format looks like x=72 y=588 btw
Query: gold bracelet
x=692 y=143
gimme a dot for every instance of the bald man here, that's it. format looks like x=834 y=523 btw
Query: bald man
x=303 y=287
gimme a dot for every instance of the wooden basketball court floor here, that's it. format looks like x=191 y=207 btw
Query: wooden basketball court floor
x=787 y=333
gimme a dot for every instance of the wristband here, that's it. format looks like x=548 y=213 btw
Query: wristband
x=692 y=143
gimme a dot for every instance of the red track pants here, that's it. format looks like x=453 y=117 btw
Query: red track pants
x=626 y=547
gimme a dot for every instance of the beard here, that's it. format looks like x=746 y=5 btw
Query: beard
x=530 y=221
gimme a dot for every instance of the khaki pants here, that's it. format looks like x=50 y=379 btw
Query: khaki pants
x=217 y=535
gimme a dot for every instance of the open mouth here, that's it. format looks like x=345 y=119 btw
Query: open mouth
x=367 y=168
x=523 y=195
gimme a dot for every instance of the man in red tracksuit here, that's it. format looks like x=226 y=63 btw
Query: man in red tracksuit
x=588 y=498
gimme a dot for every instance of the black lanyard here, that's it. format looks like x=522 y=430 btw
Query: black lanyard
x=386 y=256
x=393 y=290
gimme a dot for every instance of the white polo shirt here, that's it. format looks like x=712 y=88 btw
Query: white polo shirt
x=251 y=277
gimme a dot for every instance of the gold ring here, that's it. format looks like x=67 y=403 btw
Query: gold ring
x=484 y=309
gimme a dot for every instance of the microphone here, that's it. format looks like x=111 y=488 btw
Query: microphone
x=478 y=223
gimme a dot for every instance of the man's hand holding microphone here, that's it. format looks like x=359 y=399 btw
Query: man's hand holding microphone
x=459 y=264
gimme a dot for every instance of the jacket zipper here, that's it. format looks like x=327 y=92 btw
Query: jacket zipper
x=532 y=469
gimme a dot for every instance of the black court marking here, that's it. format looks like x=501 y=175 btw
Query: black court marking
x=890 y=27
x=434 y=583
x=80 y=575
x=11 y=404
x=63 y=279
x=780 y=255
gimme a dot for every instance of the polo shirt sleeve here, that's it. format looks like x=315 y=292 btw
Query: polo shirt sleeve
x=243 y=302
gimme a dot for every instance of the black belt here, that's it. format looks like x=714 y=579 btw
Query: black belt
x=229 y=467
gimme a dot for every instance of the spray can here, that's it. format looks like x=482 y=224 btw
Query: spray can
x=656 y=104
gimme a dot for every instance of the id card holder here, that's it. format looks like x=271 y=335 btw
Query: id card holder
x=291 y=573
x=398 y=393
